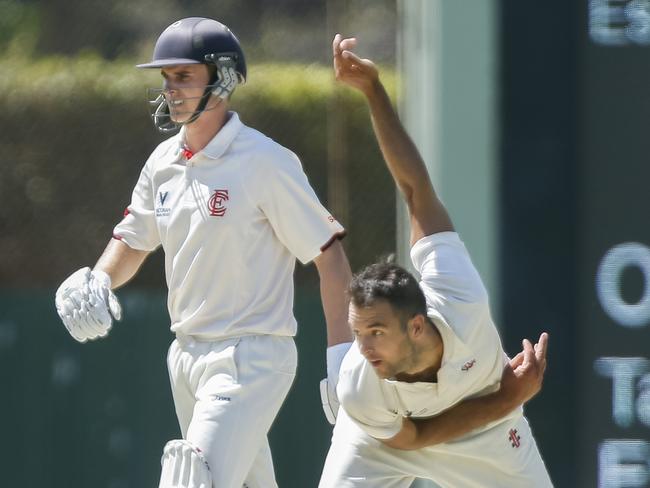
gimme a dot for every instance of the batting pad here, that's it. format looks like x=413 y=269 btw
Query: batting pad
x=183 y=466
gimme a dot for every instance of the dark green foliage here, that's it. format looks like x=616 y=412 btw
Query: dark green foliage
x=75 y=134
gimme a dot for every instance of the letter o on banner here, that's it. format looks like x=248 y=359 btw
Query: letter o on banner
x=608 y=287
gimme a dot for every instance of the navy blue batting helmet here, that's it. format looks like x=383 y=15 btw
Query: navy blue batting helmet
x=197 y=40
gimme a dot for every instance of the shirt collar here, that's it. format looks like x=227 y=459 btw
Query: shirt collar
x=221 y=141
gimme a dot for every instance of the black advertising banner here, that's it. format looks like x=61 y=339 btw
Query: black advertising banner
x=575 y=228
x=614 y=245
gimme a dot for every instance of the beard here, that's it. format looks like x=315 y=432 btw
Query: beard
x=404 y=361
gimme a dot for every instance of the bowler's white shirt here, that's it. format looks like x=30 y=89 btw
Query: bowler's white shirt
x=473 y=358
x=231 y=220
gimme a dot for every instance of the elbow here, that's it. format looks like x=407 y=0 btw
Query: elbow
x=407 y=192
x=333 y=260
x=415 y=193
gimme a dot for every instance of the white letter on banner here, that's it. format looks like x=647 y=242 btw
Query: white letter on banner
x=623 y=372
x=608 y=284
x=623 y=463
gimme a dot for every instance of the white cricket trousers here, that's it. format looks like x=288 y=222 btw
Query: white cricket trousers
x=505 y=456
x=227 y=394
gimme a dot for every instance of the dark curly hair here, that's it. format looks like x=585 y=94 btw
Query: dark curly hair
x=390 y=282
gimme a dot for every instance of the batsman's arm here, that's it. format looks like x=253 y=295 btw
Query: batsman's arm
x=335 y=275
x=120 y=262
x=521 y=380
x=428 y=215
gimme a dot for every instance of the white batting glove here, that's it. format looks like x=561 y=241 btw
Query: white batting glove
x=329 y=399
x=86 y=304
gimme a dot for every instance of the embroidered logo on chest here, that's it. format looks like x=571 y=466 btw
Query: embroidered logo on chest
x=217 y=203
x=515 y=438
x=468 y=365
x=162 y=211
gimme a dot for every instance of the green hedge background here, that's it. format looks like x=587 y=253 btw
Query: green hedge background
x=76 y=132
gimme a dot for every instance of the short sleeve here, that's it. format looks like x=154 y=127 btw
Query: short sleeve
x=298 y=218
x=446 y=268
x=458 y=304
x=138 y=228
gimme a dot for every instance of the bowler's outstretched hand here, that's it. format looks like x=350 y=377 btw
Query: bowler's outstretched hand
x=349 y=68
x=523 y=376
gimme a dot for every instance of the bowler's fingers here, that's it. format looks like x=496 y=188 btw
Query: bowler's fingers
x=364 y=67
x=348 y=44
x=540 y=350
x=342 y=63
x=336 y=50
x=351 y=57
x=339 y=44
x=541 y=346
x=336 y=54
x=517 y=360
x=529 y=353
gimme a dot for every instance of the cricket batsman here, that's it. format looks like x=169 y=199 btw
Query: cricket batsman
x=232 y=210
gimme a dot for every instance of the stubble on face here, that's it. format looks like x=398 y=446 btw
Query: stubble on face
x=402 y=360
x=383 y=339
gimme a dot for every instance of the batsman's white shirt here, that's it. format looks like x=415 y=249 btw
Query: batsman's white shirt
x=472 y=365
x=231 y=219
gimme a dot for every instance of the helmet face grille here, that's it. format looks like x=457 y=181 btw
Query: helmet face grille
x=189 y=41
x=160 y=112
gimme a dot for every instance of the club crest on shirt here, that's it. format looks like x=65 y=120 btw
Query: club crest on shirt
x=217 y=203
x=162 y=211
